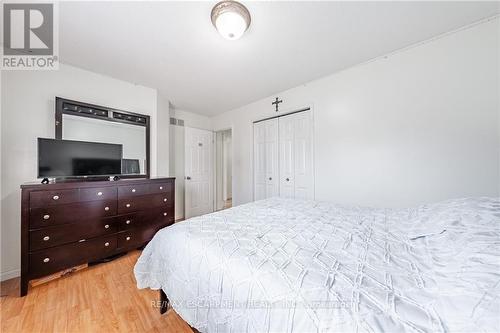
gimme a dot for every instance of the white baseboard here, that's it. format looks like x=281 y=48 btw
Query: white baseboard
x=10 y=274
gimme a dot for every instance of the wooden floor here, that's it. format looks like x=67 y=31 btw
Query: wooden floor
x=228 y=203
x=102 y=298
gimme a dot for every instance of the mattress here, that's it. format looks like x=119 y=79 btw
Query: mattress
x=281 y=265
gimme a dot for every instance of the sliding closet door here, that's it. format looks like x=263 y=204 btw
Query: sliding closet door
x=286 y=156
x=283 y=157
x=295 y=156
x=259 y=165
x=272 y=168
x=303 y=156
x=266 y=159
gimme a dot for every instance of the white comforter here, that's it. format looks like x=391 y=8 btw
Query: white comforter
x=282 y=265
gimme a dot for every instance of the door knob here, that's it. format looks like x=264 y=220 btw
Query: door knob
x=270 y=178
x=288 y=179
x=188 y=178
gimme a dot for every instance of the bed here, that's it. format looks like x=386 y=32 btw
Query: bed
x=281 y=265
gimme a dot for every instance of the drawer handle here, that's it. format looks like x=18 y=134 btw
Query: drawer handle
x=127 y=205
x=106 y=244
x=127 y=222
x=128 y=238
x=55 y=197
x=106 y=208
x=46 y=217
x=161 y=187
x=164 y=199
x=133 y=190
x=46 y=260
x=164 y=214
x=46 y=238
x=106 y=226
x=99 y=194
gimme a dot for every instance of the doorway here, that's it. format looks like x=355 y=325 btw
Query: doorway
x=223 y=169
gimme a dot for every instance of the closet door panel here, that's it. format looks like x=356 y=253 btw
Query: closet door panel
x=259 y=130
x=286 y=156
x=272 y=171
x=303 y=173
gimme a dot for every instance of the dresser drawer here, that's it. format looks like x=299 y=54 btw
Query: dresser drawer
x=51 y=260
x=52 y=198
x=67 y=233
x=161 y=200
x=55 y=215
x=133 y=220
x=98 y=193
x=132 y=190
x=134 y=204
x=161 y=188
x=136 y=237
x=162 y=217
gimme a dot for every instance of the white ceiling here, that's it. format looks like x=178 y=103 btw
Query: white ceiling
x=172 y=46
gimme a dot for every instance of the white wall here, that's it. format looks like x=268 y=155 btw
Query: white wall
x=163 y=136
x=28 y=99
x=420 y=125
x=227 y=165
x=177 y=151
x=192 y=119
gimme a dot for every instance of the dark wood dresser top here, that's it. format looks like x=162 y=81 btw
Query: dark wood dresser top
x=98 y=183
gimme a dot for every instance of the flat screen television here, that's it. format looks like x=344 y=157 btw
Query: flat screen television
x=67 y=158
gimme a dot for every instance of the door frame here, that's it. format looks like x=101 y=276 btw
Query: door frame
x=215 y=162
x=303 y=108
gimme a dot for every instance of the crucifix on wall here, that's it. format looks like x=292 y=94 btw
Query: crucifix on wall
x=276 y=103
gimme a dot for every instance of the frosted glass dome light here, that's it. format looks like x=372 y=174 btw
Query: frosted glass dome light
x=231 y=19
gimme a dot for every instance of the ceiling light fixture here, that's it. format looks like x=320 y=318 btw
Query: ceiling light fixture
x=231 y=19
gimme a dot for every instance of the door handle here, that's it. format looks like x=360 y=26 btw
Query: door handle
x=288 y=179
x=270 y=178
x=188 y=178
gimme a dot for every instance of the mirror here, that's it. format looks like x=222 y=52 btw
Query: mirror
x=132 y=137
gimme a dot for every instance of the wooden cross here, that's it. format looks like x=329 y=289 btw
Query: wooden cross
x=276 y=103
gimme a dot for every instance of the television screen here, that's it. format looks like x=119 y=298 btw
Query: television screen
x=66 y=158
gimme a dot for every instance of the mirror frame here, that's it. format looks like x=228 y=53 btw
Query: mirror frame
x=81 y=109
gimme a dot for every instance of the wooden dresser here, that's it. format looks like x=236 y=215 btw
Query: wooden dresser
x=72 y=223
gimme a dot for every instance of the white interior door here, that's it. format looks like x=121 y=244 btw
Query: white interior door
x=198 y=172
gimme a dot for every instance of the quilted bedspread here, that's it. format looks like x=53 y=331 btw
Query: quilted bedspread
x=281 y=265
